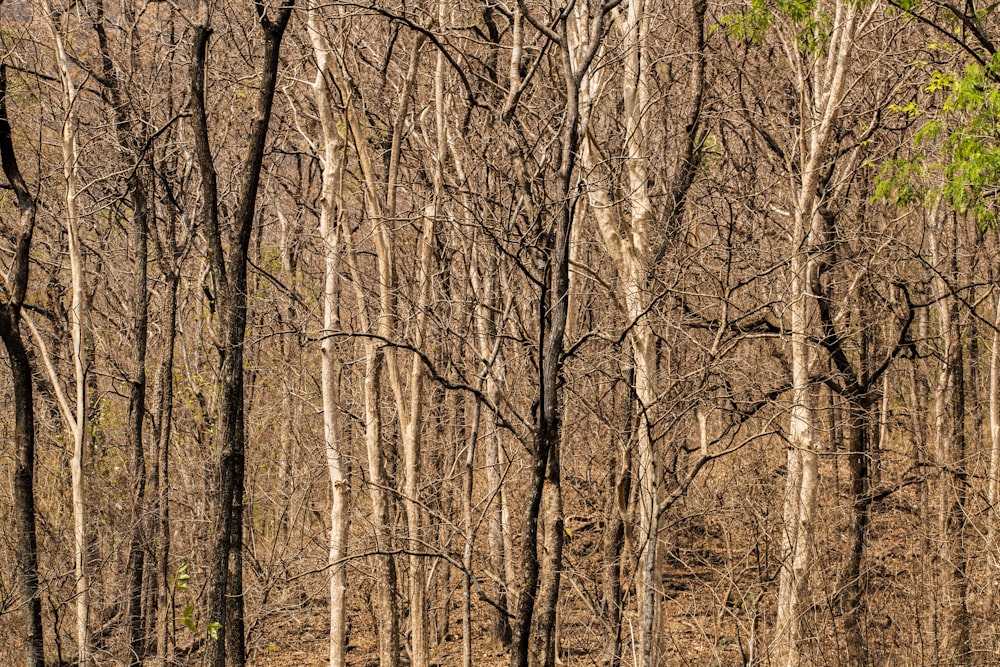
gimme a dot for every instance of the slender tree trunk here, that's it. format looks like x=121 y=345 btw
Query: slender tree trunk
x=484 y=277
x=131 y=145
x=470 y=457
x=77 y=415
x=801 y=477
x=387 y=585
x=24 y=494
x=820 y=101
x=161 y=477
x=329 y=226
x=613 y=545
x=858 y=428
x=225 y=606
x=949 y=417
x=544 y=645
x=26 y=546
x=993 y=481
x=136 y=418
x=553 y=315
x=498 y=531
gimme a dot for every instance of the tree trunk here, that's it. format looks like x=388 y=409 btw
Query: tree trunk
x=136 y=418
x=26 y=546
x=949 y=417
x=470 y=457
x=544 y=637
x=378 y=489
x=132 y=145
x=993 y=481
x=161 y=477
x=76 y=416
x=225 y=607
x=859 y=428
x=821 y=101
x=613 y=545
x=333 y=164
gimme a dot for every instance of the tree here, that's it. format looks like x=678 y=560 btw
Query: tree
x=229 y=273
x=131 y=136
x=75 y=414
x=330 y=212
x=15 y=292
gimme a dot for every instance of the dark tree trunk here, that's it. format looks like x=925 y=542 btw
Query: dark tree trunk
x=229 y=270
x=24 y=493
x=136 y=415
x=614 y=544
x=132 y=147
x=852 y=590
x=553 y=315
x=162 y=612
x=953 y=491
x=26 y=549
x=544 y=635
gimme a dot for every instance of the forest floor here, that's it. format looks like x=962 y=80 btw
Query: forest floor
x=698 y=626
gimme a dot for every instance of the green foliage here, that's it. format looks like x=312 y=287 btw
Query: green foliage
x=181 y=582
x=182 y=578
x=910 y=110
x=187 y=617
x=753 y=24
x=958 y=157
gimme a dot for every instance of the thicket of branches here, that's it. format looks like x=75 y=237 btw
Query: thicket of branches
x=609 y=332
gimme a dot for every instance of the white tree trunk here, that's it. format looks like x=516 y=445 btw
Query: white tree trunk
x=77 y=422
x=333 y=161
x=380 y=213
x=949 y=437
x=993 y=488
x=821 y=85
x=630 y=253
x=800 y=481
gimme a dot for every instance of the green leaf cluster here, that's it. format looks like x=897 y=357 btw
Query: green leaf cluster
x=753 y=24
x=181 y=583
x=958 y=156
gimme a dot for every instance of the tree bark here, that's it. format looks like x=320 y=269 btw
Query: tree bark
x=75 y=416
x=229 y=269
x=820 y=101
x=132 y=147
x=949 y=418
x=26 y=548
x=329 y=227
x=164 y=612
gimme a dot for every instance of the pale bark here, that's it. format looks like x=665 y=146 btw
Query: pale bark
x=993 y=481
x=499 y=537
x=76 y=418
x=381 y=212
x=329 y=226
x=485 y=281
x=411 y=416
x=819 y=112
x=470 y=457
x=949 y=436
x=629 y=250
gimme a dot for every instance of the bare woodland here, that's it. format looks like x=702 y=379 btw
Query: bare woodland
x=605 y=332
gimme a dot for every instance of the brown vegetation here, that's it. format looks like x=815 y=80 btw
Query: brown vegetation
x=616 y=332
